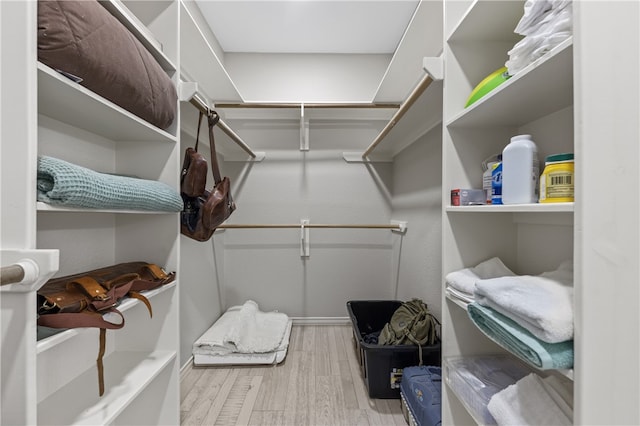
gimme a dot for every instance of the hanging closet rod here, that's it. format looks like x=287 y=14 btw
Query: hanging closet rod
x=307 y=106
x=202 y=106
x=310 y=225
x=413 y=97
x=11 y=274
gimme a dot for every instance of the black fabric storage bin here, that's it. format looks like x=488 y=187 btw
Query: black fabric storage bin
x=381 y=365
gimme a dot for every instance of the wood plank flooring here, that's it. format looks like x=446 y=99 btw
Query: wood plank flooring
x=319 y=383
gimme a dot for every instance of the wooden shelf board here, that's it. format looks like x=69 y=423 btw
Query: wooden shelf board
x=44 y=207
x=71 y=103
x=62 y=336
x=488 y=20
x=140 y=31
x=127 y=374
x=514 y=208
x=543 y=87
x=205 y=69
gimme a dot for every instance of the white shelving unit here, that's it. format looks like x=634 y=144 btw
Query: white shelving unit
x=549 y=99
x=539 y=101
x=69 y=122
x=562 y=100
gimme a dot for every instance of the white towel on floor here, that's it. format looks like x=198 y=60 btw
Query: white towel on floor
x=542 y=304
x=465 y=279
x=255 y=331
x=245 y=329
x=526 y=403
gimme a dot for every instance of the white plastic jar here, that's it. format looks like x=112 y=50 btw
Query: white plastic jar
x=520 y=171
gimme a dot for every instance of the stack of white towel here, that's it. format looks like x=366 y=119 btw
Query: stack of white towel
x=542 y=304
x=545 y=24
x=462 y=284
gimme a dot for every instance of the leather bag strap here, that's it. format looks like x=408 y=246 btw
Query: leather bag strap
x=213 y=119
x=90 y=287
x=140 y=297
x=80 y=319
x=198 y=131
x=99 y=364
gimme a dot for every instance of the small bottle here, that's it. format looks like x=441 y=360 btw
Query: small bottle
x=520 y=171
x=487 y=175
x=496 y=183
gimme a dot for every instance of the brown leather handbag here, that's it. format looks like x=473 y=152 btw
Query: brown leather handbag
x=82 y=300
x=203 y=210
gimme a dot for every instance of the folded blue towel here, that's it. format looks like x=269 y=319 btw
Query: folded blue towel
x=519 y=341
x=65 y=184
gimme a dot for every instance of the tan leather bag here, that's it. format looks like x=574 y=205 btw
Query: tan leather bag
x=81 y=300
x=203 y=210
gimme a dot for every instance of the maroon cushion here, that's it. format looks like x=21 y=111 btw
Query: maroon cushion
x=82 y=38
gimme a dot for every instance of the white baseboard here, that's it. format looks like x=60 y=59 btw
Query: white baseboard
x=321 y=320
x=186 y=366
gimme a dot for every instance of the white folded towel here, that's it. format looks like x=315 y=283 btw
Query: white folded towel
x=465 y=279
x=255 y=331
x=526 y=403
x=460 y=295
x=245 y=329
x=542 y=304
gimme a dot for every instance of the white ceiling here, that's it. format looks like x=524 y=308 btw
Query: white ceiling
x=308 y=26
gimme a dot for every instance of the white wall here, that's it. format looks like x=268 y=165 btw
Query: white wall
x=417 y=181
x=265 y=264
x=201 y=274
x=306 y=77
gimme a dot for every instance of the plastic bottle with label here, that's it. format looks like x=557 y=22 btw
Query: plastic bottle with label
x=556 y=182
x=496 y=183
x=520 y=171
x=487 y=175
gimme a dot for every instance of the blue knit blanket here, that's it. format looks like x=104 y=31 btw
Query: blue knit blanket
x=64 y=184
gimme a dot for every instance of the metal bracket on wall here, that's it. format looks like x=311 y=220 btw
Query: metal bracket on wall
x=434 y=66
x=304 y=238
x=402 y=226
x=304 y=130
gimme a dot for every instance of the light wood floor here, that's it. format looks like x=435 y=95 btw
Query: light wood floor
x=319 y=383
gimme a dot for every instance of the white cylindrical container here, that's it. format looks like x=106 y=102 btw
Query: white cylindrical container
x=520 y=171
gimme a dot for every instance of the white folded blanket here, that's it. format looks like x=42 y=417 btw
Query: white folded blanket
x=245 y=329
x=542 y=304
x=464 y=280
x=527 y=403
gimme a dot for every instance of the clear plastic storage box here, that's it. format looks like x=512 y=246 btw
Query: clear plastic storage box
x=475 y=380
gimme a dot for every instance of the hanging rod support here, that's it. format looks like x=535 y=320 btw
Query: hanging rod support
x=202 y=106
x=24 y=272
x=413 y=97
